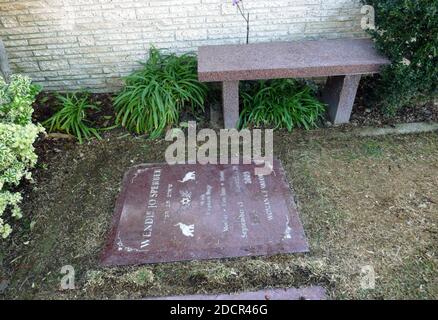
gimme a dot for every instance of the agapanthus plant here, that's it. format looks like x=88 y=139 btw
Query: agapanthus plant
x=240 y=6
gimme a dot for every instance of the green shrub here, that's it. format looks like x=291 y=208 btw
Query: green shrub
x=282 y=103
x=16 y=100
x=154 y=96
x=407 y=33
x=72 y=117
x=17 y=135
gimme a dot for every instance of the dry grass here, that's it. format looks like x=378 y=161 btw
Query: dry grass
x=363 y=202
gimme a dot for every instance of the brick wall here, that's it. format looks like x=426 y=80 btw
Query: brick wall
x=77 y=44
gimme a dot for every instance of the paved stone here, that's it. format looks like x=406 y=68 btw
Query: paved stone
x=189 y=212
x=216 y=119
x=401 y=128
x=309 y=293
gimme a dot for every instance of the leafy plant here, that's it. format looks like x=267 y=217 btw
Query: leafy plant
x=17 y=135
x=407 y=33
x=72 y=117
x=155 y=95
x=16 y=100
x=280 y=103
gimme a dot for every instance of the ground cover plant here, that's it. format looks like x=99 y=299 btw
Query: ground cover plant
x=17 y=135
x=281 y=103
x=407 y=33
x=154 y=96
x=71 y=117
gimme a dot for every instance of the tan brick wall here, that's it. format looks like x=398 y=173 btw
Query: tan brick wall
x=77 y=44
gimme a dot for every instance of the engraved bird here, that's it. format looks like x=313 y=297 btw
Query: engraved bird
x=188 y=177
x=187 y=230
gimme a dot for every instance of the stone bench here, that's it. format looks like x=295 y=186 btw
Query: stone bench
x=343 y=61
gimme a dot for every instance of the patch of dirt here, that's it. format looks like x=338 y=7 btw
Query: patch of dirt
x=47 y=104
x=363 y=201
x=106 y=115
x=365 y=115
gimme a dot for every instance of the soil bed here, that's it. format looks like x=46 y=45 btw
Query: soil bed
x=362 y=114
x=365 y=117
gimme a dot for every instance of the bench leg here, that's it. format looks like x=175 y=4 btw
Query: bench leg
x=339 y=93
x=230 y=98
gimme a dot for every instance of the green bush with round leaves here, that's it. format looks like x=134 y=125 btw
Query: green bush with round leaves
x=407 y=33
x=17 y=135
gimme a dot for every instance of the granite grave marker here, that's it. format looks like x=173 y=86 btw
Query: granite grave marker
x=306 y=293
x=171 y=213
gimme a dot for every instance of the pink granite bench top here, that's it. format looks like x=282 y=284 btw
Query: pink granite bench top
x=317 y=58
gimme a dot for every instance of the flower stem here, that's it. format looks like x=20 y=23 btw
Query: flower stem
x=247 y=30
x=246 y=18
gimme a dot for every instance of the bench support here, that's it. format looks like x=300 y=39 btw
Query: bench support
x=230 y=98
x=339 y=93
